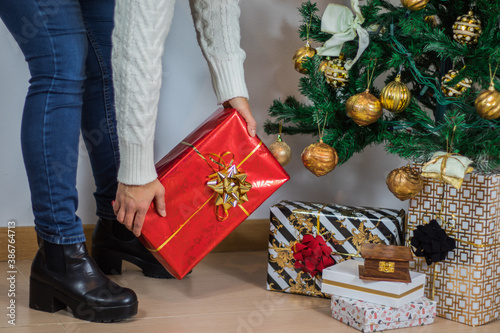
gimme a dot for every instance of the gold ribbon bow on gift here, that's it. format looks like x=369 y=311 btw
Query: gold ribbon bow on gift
x=448 y=167
x=339 y=21
x=230 y=185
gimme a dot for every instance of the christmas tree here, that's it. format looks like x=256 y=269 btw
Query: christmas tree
x=445 y=53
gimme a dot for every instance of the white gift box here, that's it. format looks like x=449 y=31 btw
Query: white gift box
x=370 y=317
x=343 y=280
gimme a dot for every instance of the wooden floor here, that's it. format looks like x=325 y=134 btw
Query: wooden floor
x=225 y=293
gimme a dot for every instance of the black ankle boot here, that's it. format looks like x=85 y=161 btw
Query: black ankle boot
x=65 y=275
x=112 y=242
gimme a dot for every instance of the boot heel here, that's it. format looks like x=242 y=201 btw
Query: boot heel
x=42 y=297
x=108 y=261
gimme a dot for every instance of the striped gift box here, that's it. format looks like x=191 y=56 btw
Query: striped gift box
x=343 y=228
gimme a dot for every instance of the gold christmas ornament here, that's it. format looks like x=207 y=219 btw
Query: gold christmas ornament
x=404 y=183
x=281 y=151
x=320 y=158
x=335 y=73
x=364 y=108
x=414 y=5
x=467 y=29
x=301 y=55
x=488 y=103
x=458 y=89
x=432 y=20
x=395 y=96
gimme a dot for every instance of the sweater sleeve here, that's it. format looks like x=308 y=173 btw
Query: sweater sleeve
x=141 y=27
x=218 y=32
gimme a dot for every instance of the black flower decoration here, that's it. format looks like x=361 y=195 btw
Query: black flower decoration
x=431 y=242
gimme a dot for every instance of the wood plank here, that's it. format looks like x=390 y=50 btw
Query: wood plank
x=251 y=235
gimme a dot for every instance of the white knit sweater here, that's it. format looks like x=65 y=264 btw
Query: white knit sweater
x=141 y=27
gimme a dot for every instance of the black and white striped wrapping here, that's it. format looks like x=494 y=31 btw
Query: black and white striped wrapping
x=343 y=228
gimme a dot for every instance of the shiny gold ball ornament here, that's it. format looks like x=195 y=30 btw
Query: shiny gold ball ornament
x=467 y=29
x=414 y=5
x=404 y=183
x=301 y=55
x=320 y=158
x=458 y=89
x=335 y=73
x=395 y=96
x=281 y=151
x=488 y=103
x=364 y=108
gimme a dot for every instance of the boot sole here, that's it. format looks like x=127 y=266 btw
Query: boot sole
x=110 y=263
x=44 y=297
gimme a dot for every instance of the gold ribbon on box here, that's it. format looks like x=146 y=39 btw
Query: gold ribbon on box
x=447 y=167
x=229 y=185
x=451 y=232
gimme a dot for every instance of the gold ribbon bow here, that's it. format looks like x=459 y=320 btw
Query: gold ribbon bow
x=448 y=167
x=230 y=185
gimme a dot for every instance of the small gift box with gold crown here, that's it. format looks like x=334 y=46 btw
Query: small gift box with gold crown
x=214 y=179
x=307 y=237
x=385 y=263
x=456 y=231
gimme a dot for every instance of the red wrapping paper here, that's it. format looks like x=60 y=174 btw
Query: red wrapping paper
x=191 y=228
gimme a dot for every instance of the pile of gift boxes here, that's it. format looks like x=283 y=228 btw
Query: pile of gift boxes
x=218 y=175
x=369 y=303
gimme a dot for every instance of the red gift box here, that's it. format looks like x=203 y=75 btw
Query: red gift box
x=214 y=179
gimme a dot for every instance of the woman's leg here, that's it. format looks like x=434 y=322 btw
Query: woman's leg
x=112 y=242
x=98 y=113
x=52 y=37
x=62 y=273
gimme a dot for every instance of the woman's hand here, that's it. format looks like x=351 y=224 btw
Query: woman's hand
x=132 y=203
x=242 y=106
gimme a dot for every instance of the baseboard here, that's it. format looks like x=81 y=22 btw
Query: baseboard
x=251 y=235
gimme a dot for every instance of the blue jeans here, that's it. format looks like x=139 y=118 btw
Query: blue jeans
x=67 y=44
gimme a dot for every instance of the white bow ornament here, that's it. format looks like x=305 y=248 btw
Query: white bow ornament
x=339 y=21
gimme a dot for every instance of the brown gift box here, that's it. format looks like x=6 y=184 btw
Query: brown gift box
x=466 y=285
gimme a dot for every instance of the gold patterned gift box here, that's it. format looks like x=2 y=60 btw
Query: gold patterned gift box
x=466 y=285
x=343 y=229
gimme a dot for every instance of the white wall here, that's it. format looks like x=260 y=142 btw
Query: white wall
x=269 y=38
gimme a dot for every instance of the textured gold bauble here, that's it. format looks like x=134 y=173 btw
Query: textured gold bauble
x=335 y=73
x=364 y=108
x=414 y=4
x=281 y=151
x=395 y=96
x=404 y=183
x=488 y=103
x=320 y=158
x=458 y=89
x=467 y=29
x=301 y=55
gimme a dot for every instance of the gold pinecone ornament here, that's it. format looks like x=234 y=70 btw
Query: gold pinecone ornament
x=395 y=96
x=281 y=151
x=488 y=103
x=335 y=72
x=364 y=108
x=320 y=158
x=301 y=55
x=458 y=89
x=404 y=183
x=414 y=5
x=467 y=29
